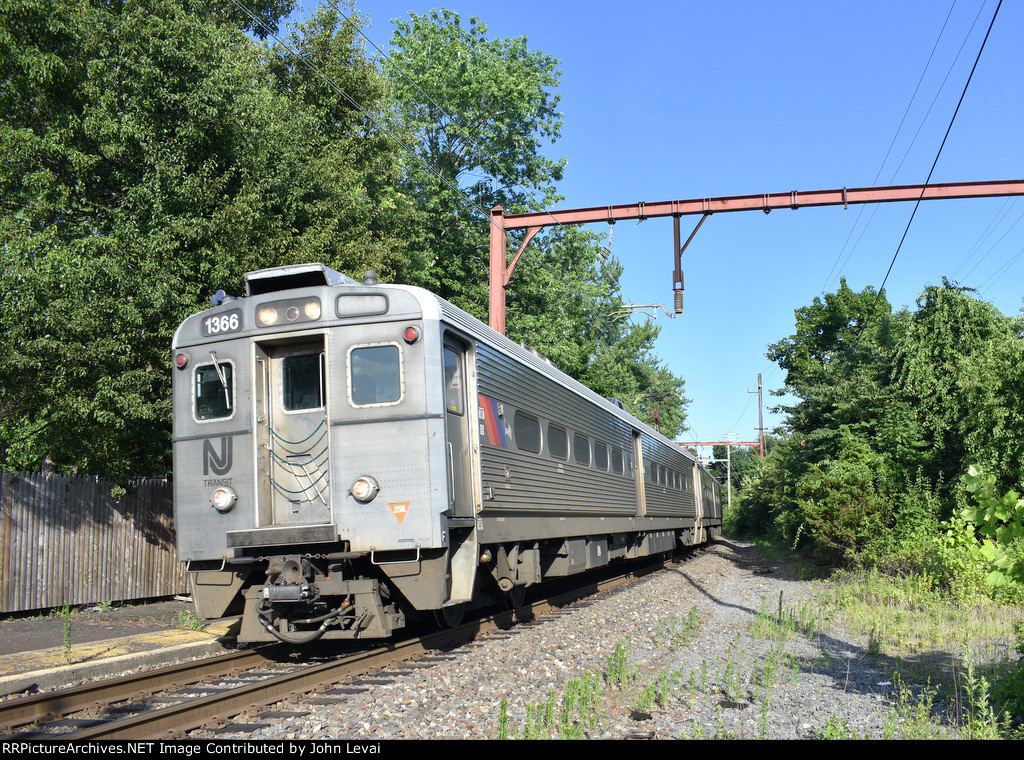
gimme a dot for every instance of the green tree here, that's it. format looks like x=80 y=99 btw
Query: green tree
x=995 y=436
x=839 y=366
x=479 y=111
x=951 y=369
x=153 y=153
x=889 y=411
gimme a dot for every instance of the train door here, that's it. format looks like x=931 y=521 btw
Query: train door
x=458 y=431
x=293 y=433
x=699 y=505
x=638 y=474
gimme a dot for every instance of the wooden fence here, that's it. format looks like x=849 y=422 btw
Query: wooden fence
x=65 y=539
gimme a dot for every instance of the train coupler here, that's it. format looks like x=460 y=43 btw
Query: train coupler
x=346 y=610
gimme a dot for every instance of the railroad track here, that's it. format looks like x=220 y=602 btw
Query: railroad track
x=169 y=702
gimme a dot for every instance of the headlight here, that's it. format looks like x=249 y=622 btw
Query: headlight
x=289 y=311
x=224 y=499
x=364 y=489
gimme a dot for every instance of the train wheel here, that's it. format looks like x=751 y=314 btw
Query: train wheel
x=515 y=597
x=450 y=616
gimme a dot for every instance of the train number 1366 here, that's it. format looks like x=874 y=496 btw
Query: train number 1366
x=222 y=323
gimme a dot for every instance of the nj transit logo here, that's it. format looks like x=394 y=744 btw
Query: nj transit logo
x=219 y=463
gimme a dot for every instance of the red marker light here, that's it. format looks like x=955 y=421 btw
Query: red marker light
x=411 y=335
x=181 y=361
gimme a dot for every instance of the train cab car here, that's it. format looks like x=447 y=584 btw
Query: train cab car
x=347 y=454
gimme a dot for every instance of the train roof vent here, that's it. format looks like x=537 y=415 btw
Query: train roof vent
x=291 y=277
x=538 y=354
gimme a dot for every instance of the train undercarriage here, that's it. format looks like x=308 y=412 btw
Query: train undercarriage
x=299 y=596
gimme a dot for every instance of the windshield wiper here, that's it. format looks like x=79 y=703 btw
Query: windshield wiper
x=223 y=380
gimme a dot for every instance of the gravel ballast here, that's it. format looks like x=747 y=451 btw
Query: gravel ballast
x=689 y=635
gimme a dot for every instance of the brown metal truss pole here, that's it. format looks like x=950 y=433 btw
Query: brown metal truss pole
x=501 y=273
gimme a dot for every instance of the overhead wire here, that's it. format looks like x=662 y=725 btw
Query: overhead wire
x=829 y=278
x=998 y=274
x=913 y=140
x=938 y=154
x=992 y=247
x=952 y=120
x=913 y=97
x=1001 y=214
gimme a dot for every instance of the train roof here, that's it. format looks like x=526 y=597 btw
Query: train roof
x=452 y=314
x=291 y=277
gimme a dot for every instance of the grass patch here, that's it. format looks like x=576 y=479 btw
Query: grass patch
x=907 y=620
x=963 y=655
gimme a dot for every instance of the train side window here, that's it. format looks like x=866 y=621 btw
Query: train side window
x=303 y=381
x=600 y=456
x=453 y=382
x=616 y=461
x=375 y=375
x=581 y=450
x=214 y=391
x=526 y=430
x=558 y=442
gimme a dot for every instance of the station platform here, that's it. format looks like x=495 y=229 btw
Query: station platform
x=49 y=650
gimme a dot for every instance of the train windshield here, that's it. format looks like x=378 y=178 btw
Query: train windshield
x=214 y=386
x=375 y=375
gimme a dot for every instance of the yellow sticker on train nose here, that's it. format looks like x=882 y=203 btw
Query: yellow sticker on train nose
x=399 y=510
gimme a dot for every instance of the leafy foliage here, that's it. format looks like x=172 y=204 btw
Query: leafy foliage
x=999 y=519
x=155 y=152
x=890 y=409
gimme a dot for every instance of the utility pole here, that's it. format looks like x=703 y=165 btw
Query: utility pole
x=760 y=415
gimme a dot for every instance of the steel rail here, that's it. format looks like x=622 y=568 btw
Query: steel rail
x=18 y=712
x=174 y=721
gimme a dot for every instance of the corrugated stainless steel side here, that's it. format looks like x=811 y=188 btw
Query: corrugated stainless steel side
x=536 y=482
x=519 y=481
x=503 y=345
x=663 y=500
x=65 y=539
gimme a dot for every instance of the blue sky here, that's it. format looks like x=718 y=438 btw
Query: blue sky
x=679 y=100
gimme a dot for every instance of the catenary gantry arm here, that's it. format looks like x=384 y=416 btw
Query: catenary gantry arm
x=501 y=272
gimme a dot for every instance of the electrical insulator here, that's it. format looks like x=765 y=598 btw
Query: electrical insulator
x=679 y=302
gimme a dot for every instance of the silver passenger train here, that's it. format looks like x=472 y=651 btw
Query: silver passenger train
x=348 y=455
